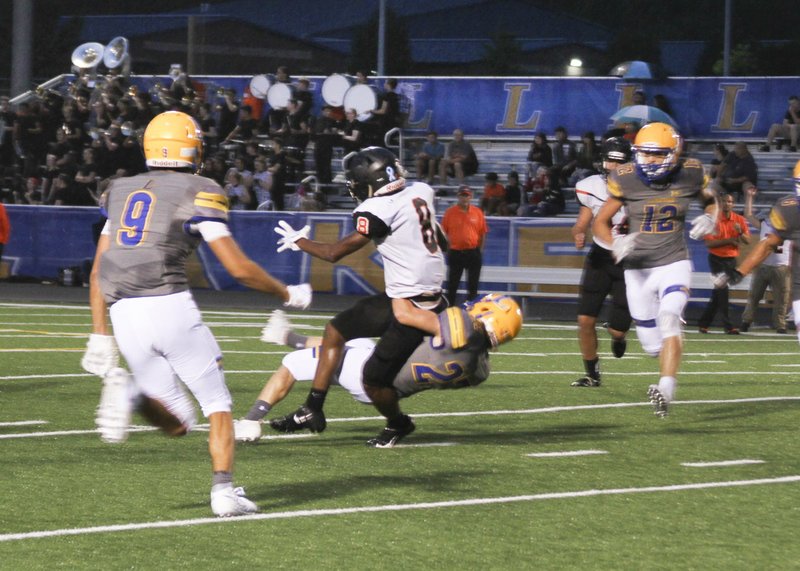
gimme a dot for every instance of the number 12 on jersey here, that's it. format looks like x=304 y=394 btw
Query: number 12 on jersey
x=659 y=219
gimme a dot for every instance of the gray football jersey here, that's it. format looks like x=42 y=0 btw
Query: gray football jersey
x=434 y=365
x=784 y=220
x=658 y=212
x=149 y=218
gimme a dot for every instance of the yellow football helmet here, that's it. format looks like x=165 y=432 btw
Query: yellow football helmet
x=796 y=178
x=173 y=140
x=500 y=316
x=657 y=150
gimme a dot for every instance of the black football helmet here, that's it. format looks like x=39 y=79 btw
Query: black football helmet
x=615 y=150
x=372 y=171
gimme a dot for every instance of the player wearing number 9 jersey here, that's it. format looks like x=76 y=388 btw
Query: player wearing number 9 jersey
x=155 y=220
x=400 y=219
x=657 y=189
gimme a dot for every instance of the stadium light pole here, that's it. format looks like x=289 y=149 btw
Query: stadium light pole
x=381 y=37
x=726 y=48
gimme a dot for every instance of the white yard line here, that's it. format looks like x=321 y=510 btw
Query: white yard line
x=23 y=423
x=742 y=462
x=566 y=453
x=394 y=508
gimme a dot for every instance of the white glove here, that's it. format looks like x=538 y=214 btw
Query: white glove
x=703 y=225
x=623 y=245
x=299 y=296
x=246 y=430
x=290 y=236
x=720 y=280
x=101 y=355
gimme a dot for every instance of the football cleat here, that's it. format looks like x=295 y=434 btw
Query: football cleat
x=303 y=417
x=388 y=437
x=277 y=328
x=230 y=502
x=113 y=414
x=618 y=346
x=586 y=381
x=660 y=404
x=246 y=430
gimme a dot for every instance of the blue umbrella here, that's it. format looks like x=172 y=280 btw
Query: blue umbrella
x=641 y=115
x=634 y=70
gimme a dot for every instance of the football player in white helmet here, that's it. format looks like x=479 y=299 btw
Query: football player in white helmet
x=400 y=219
x=480 y=326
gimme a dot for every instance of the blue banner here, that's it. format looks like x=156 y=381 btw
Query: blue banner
x=704 y=108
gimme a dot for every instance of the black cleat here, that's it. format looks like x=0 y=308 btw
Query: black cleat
x=302 y=418
x=391 y=436
x=586 y=381
x=618 y=346
x=660 y=404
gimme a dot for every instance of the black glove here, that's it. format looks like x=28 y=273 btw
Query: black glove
x=303 y=417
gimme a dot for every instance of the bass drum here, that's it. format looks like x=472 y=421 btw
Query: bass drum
x=279 y=95
x=334 y=88
x=259 y=86
x=363 y=99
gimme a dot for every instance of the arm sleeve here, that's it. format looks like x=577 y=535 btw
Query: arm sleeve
x=369 y=225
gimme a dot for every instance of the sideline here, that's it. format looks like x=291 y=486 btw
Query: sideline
x=393 y=507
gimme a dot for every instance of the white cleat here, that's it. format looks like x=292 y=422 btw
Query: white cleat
x=114 y=411
x=277 y=328
x=246 y=430
x=660 y=404
x=230 y=502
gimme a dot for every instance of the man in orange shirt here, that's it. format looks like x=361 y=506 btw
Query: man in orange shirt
x=466 y=229
x=723 y=248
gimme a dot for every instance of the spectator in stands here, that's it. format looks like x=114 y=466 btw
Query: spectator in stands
x=788 y=130
x=539 y=155
x=305 y=99
x=262 y=181
x=388 y=110
x=720 y=152
x=7 y=120
x=723 y=248
x=352 y=132
x=238 y=195
x=87 y=175
x=738 y=171
x=326 y=136
x=466 y=230
x=429 y=157
x=660 y=102
x=460 y=160
x=277 y=168
x=214 y=168
x=493 y=200
x=535 y=188
x=246 y=127
x=208 y=125
x=565 y=158
x=28 y=138
x=774 y=272
x=552 y=203
x=513 y=194
x=587 y=159
x=228 y=110
x=639 y=98
x=296 y=141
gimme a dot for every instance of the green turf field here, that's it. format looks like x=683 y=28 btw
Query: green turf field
x=523 y=472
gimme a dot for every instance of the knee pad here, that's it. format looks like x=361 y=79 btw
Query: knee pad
x=669 y=324
x=650 y=339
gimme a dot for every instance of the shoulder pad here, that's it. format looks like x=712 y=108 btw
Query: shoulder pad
x=692 y=163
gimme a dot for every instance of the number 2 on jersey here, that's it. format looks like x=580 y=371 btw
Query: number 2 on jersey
x=135 y=218
x=659 y=219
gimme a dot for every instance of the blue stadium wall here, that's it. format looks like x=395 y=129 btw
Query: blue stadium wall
x=704 y=108
x=45 y=239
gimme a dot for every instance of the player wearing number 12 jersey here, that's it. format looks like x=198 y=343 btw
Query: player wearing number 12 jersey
x=155 y=220
x=657 y=189
x=400 y=219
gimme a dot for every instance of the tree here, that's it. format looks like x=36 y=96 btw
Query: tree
x=744 y=61
x=364 y=50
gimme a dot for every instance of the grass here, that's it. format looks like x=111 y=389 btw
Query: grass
x=467 y=495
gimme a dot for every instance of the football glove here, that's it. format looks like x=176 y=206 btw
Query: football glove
x=246 y=430
x=299 y=296
x=623 y=245
x=101 y=355
x=703 y=225
x=290 y=236
x=726 y=278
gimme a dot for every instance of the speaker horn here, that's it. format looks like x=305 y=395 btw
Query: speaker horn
x=116 y=54
x=88 y=55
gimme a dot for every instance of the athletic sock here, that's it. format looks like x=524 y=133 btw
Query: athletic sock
x=592 y=367
x=221 y=480
x=258 y=411
x=666 y=386
x=316 y=399
x=295 y=340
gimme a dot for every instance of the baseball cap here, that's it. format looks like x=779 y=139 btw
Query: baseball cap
x=464 y=190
